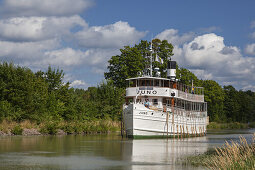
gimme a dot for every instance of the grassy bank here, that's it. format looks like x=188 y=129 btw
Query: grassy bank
x=235 y=155
x=54 y=127
x=233 y=125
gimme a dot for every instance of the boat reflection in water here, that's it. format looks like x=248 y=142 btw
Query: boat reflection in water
x=79 y=152
x=163 y=153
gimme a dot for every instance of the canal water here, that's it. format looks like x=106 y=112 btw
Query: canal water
x=107 y=151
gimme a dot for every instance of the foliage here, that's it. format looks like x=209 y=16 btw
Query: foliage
x=231 y=125
x=17 y=130
x=235 y=155
x=224 y=104
x=44 y=97
x=239 y=105
x=135 y=59
x=186 y=76
x=49 y=128
x=214 y=96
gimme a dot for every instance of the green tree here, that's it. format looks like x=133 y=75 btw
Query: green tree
x=214 y=96
x=135 y=59
x=186 y=76
x=231 y=104
x=54 y=78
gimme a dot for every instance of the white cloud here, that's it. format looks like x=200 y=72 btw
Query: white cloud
x=203 y=74
x=79 y=84
x=250 y=49
x=38 y=28
x=249 y=87
x=26 y=50
x=39 y=33
x=115 y=35
x=14 y=8
x=208 y=50
x=37 y=42
x=218 y=61
x=171 y=35
x=209 y=58
x=64 y=57
x=71 y=57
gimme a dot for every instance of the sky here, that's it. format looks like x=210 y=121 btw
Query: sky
x=214 y=39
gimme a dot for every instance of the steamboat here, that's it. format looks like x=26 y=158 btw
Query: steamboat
x=163 y=107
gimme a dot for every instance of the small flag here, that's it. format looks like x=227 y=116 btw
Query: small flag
x=158 y=59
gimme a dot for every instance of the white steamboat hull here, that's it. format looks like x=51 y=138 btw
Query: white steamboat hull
x=140 y=121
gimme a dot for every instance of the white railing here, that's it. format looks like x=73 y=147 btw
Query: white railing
x=189 y=96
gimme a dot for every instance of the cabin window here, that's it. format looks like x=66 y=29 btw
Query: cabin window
x=161 y=83
x=156 y=82
x=171 y=84
x=148 y=83
x=166 y=83
x=188 y=105
x=178 y=103
x=164 y=101
x=142 y=82
x=183 y=104
x=168 y=102
x=133 y=83
x=155 y=101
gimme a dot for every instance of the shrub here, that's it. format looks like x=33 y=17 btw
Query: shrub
x=17 y=130
x=49 y=128
x=251 y=125
x=233 y=156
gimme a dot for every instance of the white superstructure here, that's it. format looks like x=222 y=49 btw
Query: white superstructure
x=163 y=107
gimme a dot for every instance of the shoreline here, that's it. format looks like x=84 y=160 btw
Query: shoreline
x=28 y=128
x=234 y=155
x=35 y=132
x=229 y=126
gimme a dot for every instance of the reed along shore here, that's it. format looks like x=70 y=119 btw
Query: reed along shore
x=234 y=155
x=9 y=128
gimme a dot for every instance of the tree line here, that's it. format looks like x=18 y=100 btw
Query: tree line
x=225 y=104
x=43 y=95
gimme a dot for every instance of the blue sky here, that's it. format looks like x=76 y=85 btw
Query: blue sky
x=215 y=39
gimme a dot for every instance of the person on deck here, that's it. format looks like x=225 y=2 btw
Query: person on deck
x=146 y=103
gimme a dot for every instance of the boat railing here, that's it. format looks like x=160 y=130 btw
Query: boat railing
x=182 y=112
x=190 y=96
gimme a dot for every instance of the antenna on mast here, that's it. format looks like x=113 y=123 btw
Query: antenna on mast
x=151 y=58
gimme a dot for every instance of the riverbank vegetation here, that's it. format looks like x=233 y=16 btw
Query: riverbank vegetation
x=234 y=155
x=225 y=104
x=58 y=127
x=45 y=100
x=42 y=97
x=230 y=125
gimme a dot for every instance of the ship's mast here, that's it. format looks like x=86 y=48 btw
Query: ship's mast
x=151 y=59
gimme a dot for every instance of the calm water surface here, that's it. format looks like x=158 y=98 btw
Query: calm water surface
x=106 y=151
